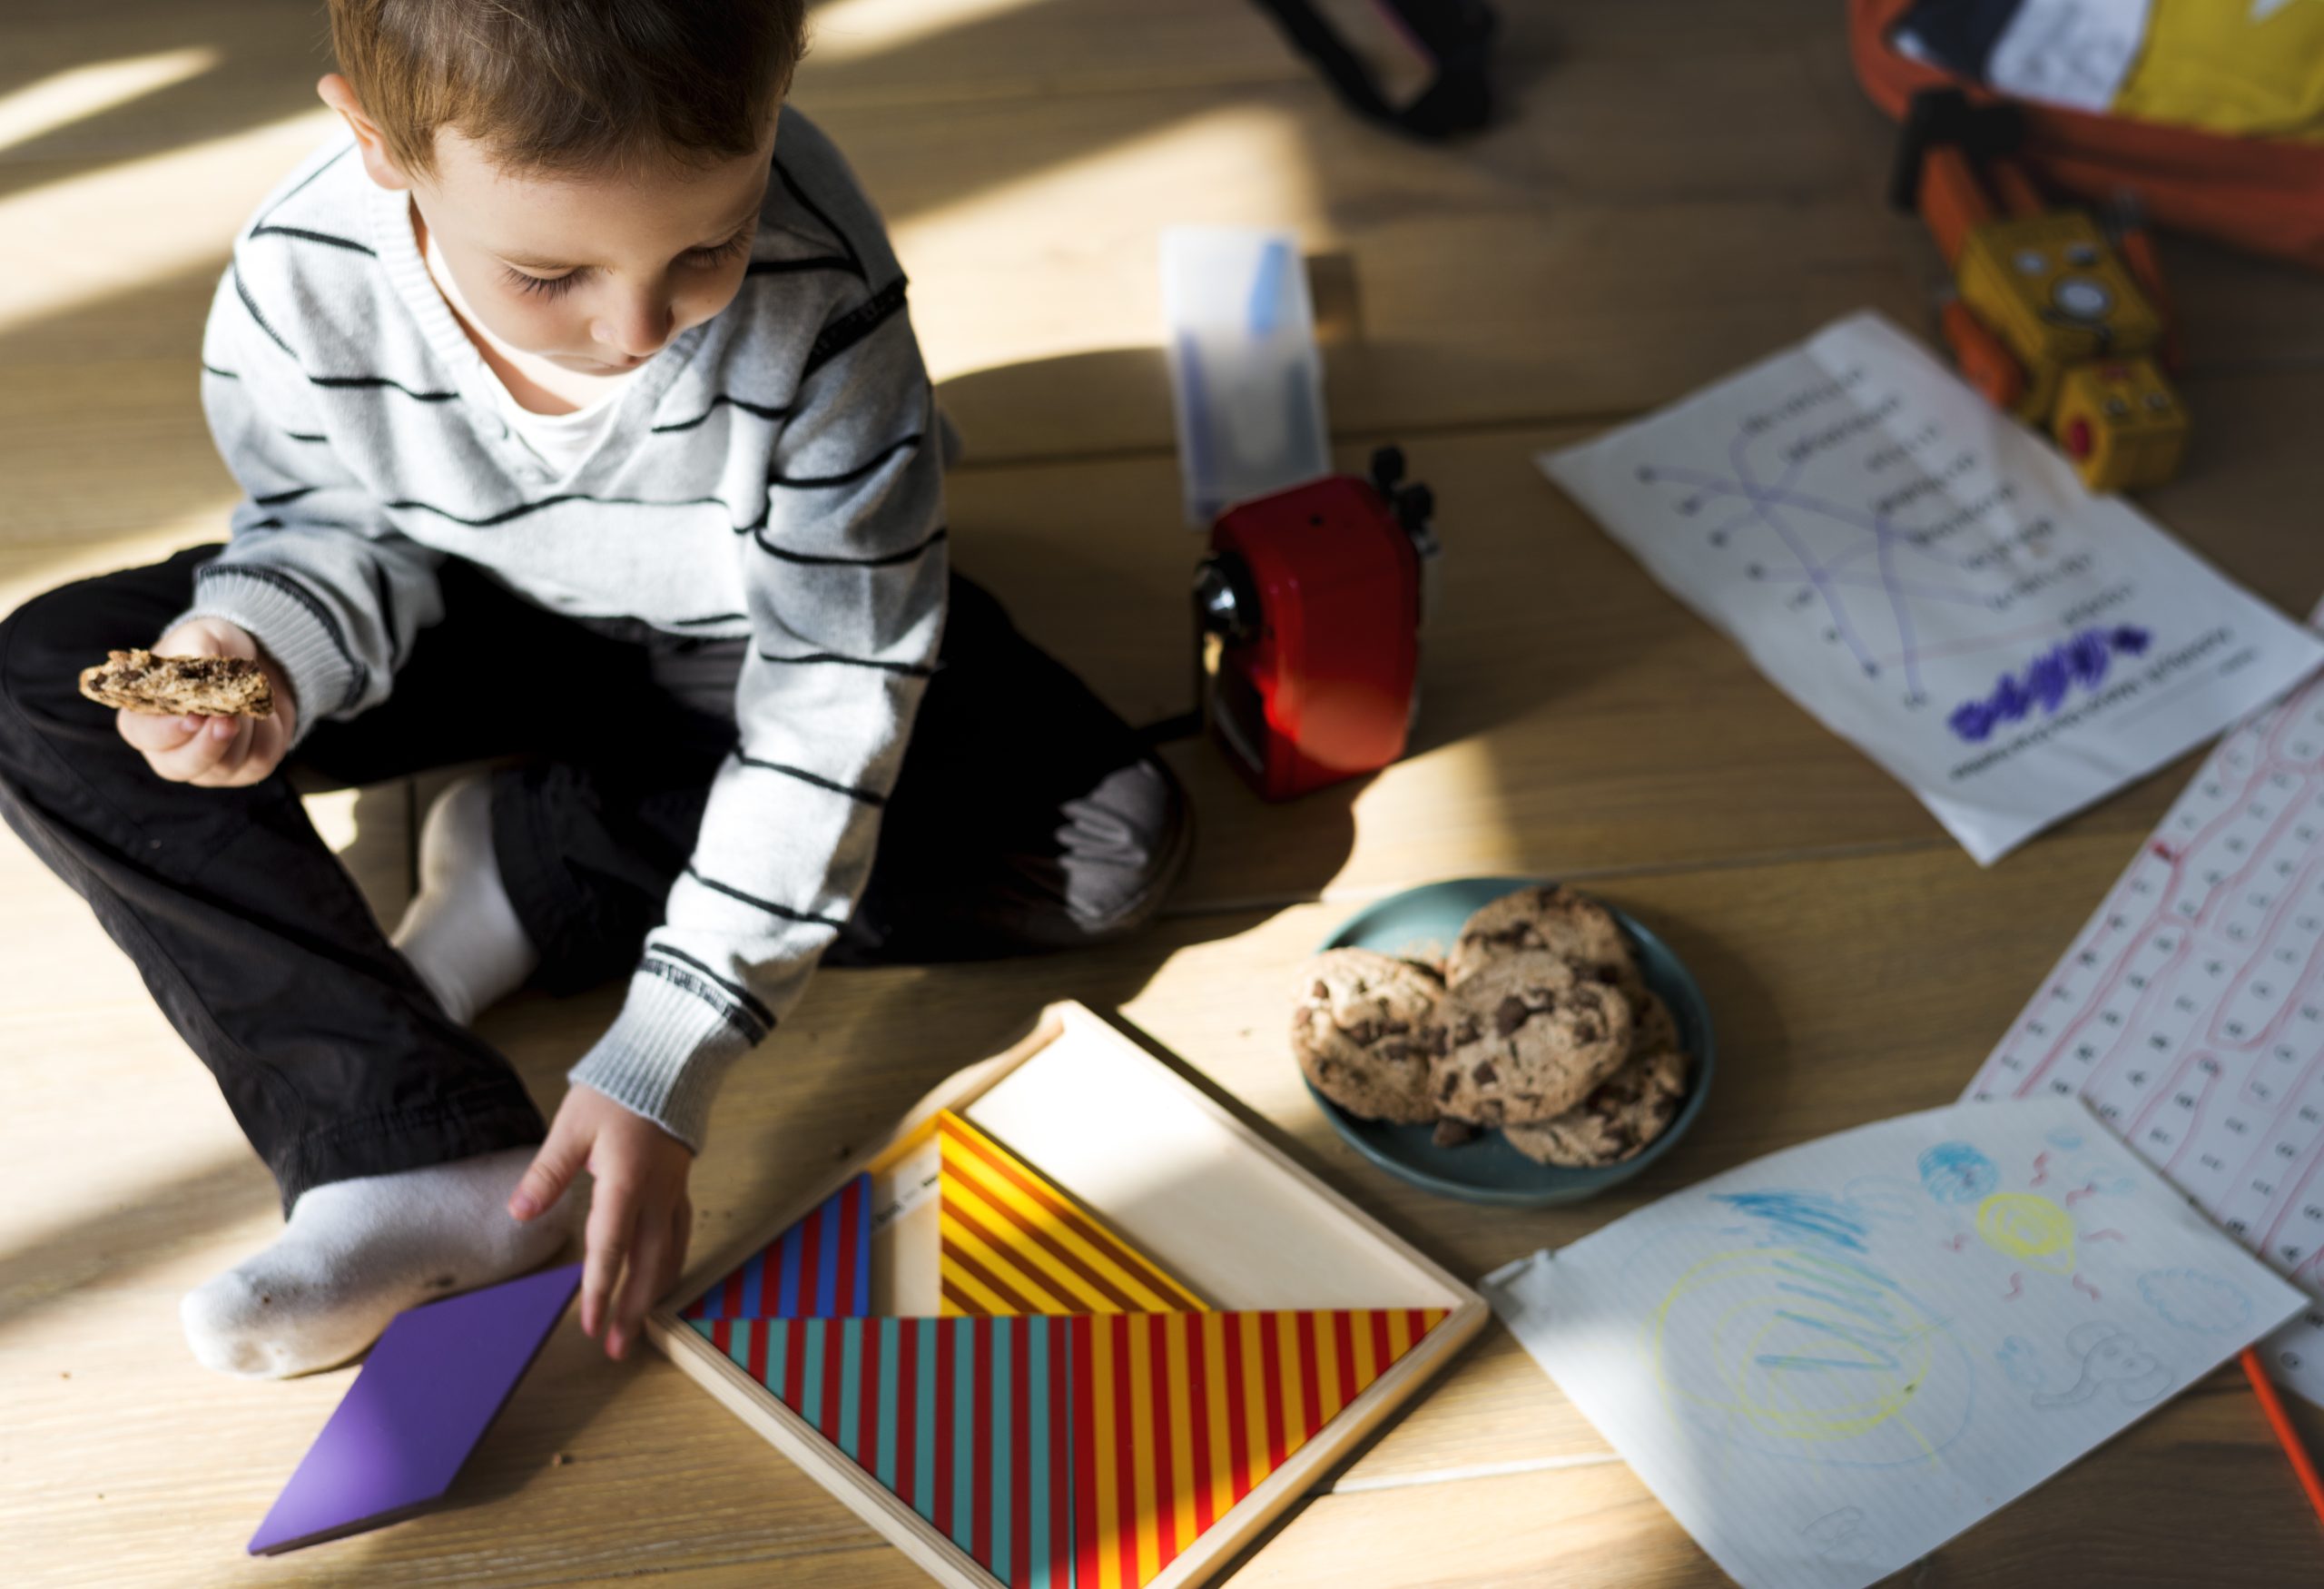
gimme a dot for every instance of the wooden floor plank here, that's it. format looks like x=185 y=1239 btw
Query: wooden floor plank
x=1508 y=278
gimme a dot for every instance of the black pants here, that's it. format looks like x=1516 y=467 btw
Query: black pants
x=1026 y=817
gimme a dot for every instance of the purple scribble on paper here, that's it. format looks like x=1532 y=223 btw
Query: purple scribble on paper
x=2080 y=663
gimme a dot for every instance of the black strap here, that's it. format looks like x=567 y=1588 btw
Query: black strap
x=1456 y=34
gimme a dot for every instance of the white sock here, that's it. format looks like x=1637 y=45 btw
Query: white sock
x=460 y=933
x=356 y=1253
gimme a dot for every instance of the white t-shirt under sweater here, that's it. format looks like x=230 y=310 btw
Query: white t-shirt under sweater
x=771 y=480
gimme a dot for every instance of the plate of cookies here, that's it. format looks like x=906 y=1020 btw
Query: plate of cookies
x=1503 y=1040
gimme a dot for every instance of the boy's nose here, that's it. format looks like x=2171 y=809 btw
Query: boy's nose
x=638 y=329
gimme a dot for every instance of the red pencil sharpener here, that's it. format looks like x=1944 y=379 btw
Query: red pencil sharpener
x=1308 y=622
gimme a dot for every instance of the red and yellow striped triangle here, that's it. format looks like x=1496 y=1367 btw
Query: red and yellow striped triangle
x=1176 y=1416
x=1013 y=1243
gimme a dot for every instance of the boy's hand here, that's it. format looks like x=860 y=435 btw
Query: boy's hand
x=640 y=1218
x=214 y=753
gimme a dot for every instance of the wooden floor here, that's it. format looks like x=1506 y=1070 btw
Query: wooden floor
x=1680 y=188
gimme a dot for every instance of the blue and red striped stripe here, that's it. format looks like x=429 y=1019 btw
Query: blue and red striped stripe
x=818 y=1268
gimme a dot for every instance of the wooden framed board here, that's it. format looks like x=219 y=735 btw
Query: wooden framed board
x=1335 y=1319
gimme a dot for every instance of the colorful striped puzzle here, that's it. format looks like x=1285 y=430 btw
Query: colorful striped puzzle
x=1078 y=1417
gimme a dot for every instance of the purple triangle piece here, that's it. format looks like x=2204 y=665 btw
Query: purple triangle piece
x=423 y=1400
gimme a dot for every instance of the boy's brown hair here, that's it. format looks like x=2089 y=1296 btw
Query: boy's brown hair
x=557 y=85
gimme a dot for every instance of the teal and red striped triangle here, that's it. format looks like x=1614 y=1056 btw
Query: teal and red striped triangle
x=967 y=1421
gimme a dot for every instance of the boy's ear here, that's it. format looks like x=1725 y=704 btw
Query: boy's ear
x=377 y=163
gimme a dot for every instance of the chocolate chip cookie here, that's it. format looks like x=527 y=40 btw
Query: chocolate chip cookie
x=1622 y=1115
x=1363 y=1031
x=1547 y=919
x=217 y=686
x=1526 y=1043
x=1653 y=1027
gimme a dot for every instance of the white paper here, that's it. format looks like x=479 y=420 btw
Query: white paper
x=1832 y=1360
x=2190 y=1012
x=2074 y=53
x=1933 y=583
x=1246 y=382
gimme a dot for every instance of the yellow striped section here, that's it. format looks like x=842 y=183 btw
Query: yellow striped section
x=1292 y=1351
x=1013 y=1242
x=1220 y=1458
x=1148 y=1381
x=903 y=1148
x=1255 y=1406
x=1102 y=1439
x=1182 y=1425
x=1141 y=1446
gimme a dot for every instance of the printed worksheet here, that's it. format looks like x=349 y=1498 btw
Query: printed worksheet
x=1932 y=581
x=1830 y=1361
x=2190 y=1012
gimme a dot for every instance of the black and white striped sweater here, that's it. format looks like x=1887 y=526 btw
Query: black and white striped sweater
x=773 y=476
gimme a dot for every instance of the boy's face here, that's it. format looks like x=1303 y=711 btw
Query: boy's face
x=594 y=272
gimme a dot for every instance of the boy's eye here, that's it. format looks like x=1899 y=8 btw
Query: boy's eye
x=734 y=246
x=541 y=286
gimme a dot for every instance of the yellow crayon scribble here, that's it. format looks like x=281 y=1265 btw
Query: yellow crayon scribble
x=1800 y=1348
x=2029 y=1229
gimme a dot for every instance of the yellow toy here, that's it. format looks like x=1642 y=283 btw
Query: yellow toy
x=2055 y=322
x=2120 y=423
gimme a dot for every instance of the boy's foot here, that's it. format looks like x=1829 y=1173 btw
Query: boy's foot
x=460 y=933
x=356 y=1253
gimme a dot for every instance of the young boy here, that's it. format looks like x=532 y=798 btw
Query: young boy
x=579 y=415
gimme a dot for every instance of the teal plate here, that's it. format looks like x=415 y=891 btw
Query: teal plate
x=1423 y=923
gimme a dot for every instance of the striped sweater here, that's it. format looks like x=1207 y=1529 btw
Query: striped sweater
x=773 y=478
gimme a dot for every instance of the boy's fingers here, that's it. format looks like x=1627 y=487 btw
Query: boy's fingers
x=613 y=1228
x=195 y=638
x=646 y=1282
x=191 y=760
x=261 y=753
x=681 y=1238
x=237 y=739
x=150 y=733
x=552 y=1171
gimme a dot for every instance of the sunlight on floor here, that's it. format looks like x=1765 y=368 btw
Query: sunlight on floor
x=142 y=221
x=970 y=260
x=88 y=91
x=27 y=570
x=853 y=30
x=1454 y=795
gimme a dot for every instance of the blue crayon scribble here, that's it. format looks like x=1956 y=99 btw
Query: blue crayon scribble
x=2082 y=662
x=1954 y=1172
x=1794 y=1215
x=1875 y=1356
x=2018 y=1360
x=2063 y=1137
x=2196 y=1301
